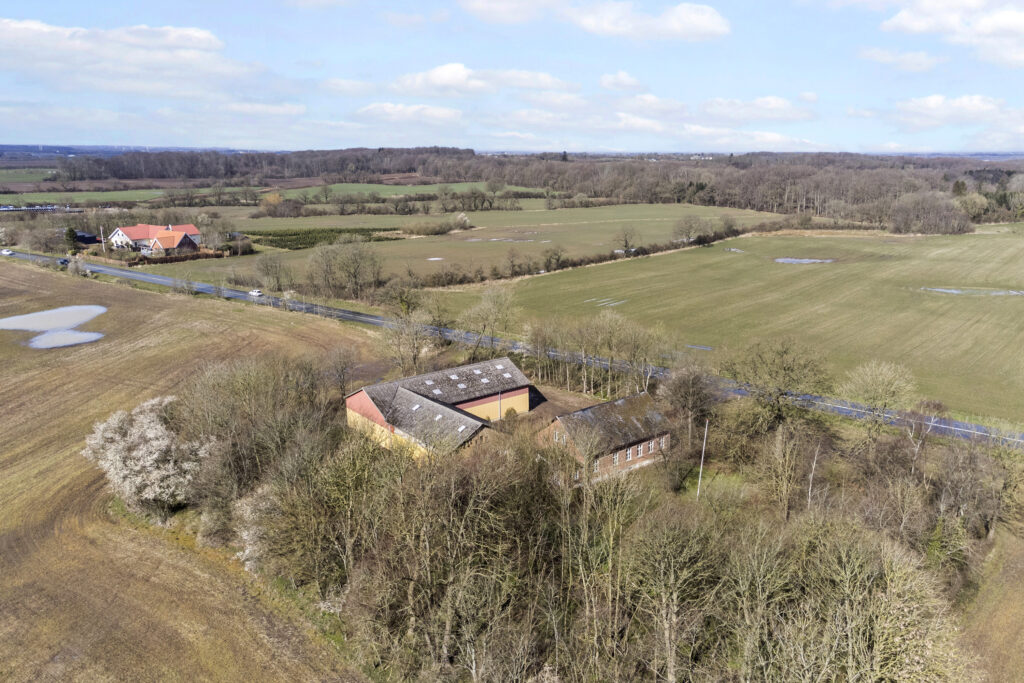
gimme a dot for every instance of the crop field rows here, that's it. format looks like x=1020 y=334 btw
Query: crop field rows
x=85 y=597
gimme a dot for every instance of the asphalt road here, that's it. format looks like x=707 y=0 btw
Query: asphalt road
x=939 y=426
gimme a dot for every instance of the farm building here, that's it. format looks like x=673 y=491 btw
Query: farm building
x=440 y=410
x=612 y=437
x=142 y=235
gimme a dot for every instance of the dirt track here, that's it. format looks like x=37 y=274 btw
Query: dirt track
x=83 y=594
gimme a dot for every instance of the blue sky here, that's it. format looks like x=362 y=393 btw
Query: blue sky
x=580 y=75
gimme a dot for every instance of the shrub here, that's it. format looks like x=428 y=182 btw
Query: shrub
x=145 y=462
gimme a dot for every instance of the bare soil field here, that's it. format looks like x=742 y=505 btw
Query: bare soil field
x=86 y=594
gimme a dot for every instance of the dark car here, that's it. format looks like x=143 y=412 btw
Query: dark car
x=63 y=262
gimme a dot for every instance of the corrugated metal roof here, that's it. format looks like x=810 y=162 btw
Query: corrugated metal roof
x=610 y=426
x=432 y=424
x=457 y=385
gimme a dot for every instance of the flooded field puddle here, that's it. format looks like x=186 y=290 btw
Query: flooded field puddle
x=974 y=292
x=57 y=326
x=435 y=258
x=804 y=261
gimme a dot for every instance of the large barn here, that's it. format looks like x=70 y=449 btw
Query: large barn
x=441 y=410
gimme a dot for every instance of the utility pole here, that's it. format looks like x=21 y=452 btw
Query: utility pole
x=700 y=475
x=103 y=241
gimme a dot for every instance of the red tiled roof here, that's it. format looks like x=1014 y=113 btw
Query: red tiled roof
x=168 y=239
x=144 y=231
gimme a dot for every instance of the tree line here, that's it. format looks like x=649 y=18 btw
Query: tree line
x=843 y=186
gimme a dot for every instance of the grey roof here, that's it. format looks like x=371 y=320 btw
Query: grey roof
x=455 y=385
x=430 y=423
x=436 y=394
x=608 y=427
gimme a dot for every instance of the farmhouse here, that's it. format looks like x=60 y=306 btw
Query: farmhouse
x=612 y=437
x=440 y=410
x=142 y=235
x=170 y=242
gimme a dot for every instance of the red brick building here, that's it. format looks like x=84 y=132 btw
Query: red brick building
x=612 y=437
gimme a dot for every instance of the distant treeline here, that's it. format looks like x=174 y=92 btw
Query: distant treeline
x=842 y=186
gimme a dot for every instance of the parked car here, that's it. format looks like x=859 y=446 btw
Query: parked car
x=63 y=262
x=255 y=292
x=6 y=252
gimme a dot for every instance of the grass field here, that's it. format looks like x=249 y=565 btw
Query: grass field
x=529 y=232
x=88 y=596
x=395 y=190
x=966 y=350
x=24 y=175
x=97 y=196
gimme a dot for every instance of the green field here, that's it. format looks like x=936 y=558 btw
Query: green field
x=99 y=196
x=529 y=232
x=55 y=197
x=24 y=175
x=394 y=190
x=966 y=350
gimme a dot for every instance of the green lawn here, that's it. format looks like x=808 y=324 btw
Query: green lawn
x=24 y=175
x=966 y=350
x=529 y=232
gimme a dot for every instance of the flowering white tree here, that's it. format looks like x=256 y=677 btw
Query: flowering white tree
x=146 y=464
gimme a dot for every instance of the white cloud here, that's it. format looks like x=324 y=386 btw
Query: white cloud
x=993 y=28
x=652 y=105
x=684 y=21
x=938 y=110
x=538 y=118
x=456 y=79
x=261 y=109
x=555 y=100
x=638 y=123
x=620 y=80
x=507 y=11
x=915 y=62
x=410 y=113
x=760 y=109
x=344 y=86
x=142 y=60
x=514 y=135
x=809 y=97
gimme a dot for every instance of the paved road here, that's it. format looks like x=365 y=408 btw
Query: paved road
x=939 y=425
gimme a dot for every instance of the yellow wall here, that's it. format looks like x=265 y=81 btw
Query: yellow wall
x=381 y=435
x=491 y=411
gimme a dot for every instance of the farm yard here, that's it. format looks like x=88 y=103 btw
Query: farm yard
x=877 y=299
x=85 y=594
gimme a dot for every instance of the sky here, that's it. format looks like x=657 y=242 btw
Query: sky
x=517 y=75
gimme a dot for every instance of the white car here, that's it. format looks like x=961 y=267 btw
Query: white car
x=6 y=252
x=255 y=292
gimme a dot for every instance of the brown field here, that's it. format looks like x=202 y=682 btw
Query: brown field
x=85 y=594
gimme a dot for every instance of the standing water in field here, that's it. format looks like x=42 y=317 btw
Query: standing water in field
x=56 y=325
x=801 y=261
